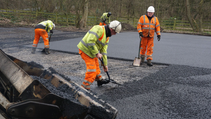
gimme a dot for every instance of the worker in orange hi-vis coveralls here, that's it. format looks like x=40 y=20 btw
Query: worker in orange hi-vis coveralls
x=94 y=46
x=41 y=30
x=147 y=25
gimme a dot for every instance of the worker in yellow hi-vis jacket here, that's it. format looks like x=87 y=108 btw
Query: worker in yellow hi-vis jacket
x=41 y=30
x=94 y=46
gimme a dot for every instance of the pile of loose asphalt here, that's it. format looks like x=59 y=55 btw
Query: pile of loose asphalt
x=158 y=92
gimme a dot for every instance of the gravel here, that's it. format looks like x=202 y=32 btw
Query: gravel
x=158 y=92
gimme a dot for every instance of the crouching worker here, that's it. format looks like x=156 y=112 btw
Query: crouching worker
x=42 y=29
x=94 y=46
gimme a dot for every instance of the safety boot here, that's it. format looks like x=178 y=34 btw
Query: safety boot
x=149 y=63
x=102 y=81
x=85 y=85
x=47 y=51
x=142 y=59
x=33 y=50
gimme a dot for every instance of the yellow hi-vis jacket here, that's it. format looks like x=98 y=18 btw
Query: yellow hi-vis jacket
x=147 y=27
x=105 y=17
x=95 y=41
x=47 y=24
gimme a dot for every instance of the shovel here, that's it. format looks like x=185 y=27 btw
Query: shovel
x=137 y=60
x=49 y=41
x=109 y=79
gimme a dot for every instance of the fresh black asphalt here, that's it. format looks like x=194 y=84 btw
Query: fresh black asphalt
x=181 y=49
x=180 y=91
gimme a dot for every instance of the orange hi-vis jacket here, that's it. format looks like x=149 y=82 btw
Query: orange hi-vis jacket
x=147 y=27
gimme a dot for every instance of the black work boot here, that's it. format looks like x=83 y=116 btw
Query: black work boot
x=33 y=50
x=149 y=63
x=142 y=59
x=101 y=82
x=47 y=51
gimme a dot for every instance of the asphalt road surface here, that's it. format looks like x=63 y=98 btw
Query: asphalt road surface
x=180 y=49
x=178 y=90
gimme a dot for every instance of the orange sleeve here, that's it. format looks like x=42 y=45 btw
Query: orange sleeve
x=157 y=26
x=139 y=25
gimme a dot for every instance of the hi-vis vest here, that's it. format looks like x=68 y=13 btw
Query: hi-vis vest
x=105 y=17
x=148 y=28
x=95 y=41
x=48 y=25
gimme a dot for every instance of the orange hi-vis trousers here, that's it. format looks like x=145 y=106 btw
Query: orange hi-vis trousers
x=147 y=44
x=41 y=33
x=92 y=70
x=102 y=24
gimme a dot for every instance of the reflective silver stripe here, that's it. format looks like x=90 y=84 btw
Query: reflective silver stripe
x=85 y=81
x=145 y=28
x=140 y=23
x=149 y=56
x=84 y=43
x=144 y=18
x=87 y=44
x=158 y=32
x=104 y=53
x=103 y=44
x=149 y=28
x=87 y=87
x=146 y=23
x=158 y=25
x=91 y=32
x=139 y=29
x=34 y=45
x=91 y=70
x=90 y=44
x=151 y=24
x=155 y=20
x=152 y=28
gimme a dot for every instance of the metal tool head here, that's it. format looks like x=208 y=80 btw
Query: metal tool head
x=137 y=62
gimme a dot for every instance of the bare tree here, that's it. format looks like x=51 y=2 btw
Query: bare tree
x=195 y=19
x=85 y=14
x=188 y=10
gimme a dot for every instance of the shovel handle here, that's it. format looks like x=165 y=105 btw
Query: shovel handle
x=50 y=37
x=101 y=59
x=110 y=80
x=108 y=76
x=139 y=47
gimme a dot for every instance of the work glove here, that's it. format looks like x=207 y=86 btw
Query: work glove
x=141 y=34
x=158 y=37
x=51 y=31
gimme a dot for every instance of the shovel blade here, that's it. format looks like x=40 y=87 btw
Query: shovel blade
x=136 y=61
x=114 y=82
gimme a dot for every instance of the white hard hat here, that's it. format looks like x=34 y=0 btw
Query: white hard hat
x=151 y=9
x=115 y=25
